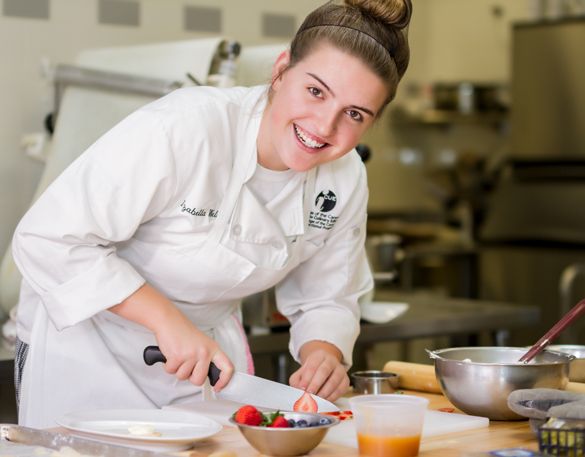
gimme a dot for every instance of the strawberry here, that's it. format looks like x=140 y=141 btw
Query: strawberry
x=279 y=422
x=306 y=404
x=248 y=415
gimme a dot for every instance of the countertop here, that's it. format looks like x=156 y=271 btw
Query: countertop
x=499 y=435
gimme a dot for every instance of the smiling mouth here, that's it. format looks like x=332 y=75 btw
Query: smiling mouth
x=303 y=138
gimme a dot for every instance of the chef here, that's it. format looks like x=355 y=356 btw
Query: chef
x=155 y=233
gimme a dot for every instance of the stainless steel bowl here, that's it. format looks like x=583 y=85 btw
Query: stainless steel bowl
x=478 y=380
x=374 y=382
x=577 y=371
x=287 y=441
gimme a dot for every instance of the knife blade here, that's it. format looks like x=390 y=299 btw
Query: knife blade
x=56 y=441
x=251 y=390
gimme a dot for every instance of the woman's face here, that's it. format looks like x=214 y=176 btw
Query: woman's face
x=319 y=111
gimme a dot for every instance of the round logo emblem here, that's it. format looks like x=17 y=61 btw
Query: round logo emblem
x=327 y=199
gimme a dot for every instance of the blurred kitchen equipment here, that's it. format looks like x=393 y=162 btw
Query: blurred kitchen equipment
x=567 y=283
x=260 y=313
x=374 y=382
x=382 y=251
x=468 y=97
x=567 y=320
x=287 y=441
x=414 y=376
x=577 y=370
x=534 y=228
x=478 y=380
x=377 y=312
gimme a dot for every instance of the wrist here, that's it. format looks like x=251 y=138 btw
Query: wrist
x=316 y=345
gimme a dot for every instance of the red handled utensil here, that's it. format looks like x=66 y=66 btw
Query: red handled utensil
x=569 y=318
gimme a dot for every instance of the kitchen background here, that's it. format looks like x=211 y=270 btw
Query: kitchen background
x=461 y=216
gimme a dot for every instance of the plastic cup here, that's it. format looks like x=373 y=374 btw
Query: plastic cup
x=388 y=425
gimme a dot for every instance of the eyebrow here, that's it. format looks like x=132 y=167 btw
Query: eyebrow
x=365 y=110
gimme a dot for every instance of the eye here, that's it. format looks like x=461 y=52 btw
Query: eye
x=316 y=92
x=355 y=115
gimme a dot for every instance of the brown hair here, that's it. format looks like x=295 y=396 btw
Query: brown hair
x=373 y=30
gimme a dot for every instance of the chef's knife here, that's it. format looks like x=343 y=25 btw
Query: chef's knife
x=251 y=390
x=56 y=441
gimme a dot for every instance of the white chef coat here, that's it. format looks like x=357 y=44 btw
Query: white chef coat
x=161 y=198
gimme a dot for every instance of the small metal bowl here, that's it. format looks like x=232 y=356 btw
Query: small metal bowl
x=577 y=370
x=478 y=380
x=287 y=441
x=374 y=382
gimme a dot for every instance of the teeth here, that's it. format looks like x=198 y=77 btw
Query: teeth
x=307 y=141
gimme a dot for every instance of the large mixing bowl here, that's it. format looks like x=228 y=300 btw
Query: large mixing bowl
x=478 y=380
x=577 y=371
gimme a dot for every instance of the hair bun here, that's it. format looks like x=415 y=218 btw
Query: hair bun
x=395 y=13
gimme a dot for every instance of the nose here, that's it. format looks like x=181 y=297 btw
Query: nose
x=327 y=123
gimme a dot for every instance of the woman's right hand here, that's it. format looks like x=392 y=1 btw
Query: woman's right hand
x=187 y=349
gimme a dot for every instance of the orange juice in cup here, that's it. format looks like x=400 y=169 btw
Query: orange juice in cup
x=388 y=425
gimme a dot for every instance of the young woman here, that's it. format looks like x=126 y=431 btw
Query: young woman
x=201 y=198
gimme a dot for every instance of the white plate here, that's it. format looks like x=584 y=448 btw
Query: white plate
x=180 y=429
x=378 y=312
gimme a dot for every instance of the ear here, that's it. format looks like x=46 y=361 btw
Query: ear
x=280 y=66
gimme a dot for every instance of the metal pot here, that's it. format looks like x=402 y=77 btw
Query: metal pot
x=374 y=382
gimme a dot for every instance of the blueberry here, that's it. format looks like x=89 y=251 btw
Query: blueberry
x=324 y=421
x=302 y=423
x=292 y=423
x=313 y=424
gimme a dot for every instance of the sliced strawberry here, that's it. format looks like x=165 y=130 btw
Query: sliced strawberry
x=348 y=413
x=332 y=413
x=447 y=410
x=248 y=415
x=306 y=404
x=280 y=422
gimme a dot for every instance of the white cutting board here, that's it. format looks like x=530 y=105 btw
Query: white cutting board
x=436 y=422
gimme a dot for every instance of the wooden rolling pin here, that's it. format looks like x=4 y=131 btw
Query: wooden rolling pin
x=576 y=387
x=419 y=377
x=414 y=376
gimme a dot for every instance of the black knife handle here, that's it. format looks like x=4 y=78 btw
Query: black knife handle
x=153 y=354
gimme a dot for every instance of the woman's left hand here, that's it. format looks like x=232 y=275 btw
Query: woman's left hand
x=321 y=371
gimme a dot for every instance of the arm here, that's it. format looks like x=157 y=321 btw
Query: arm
x=320 y=297
x=188 y=350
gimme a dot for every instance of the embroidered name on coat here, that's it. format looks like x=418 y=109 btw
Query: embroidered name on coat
x=198 y=212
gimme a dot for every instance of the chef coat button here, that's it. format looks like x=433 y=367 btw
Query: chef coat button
x=237 y=230
x=278 y=245
x=356 y=231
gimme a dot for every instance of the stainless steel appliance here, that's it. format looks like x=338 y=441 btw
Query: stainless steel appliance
x=534 y=227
